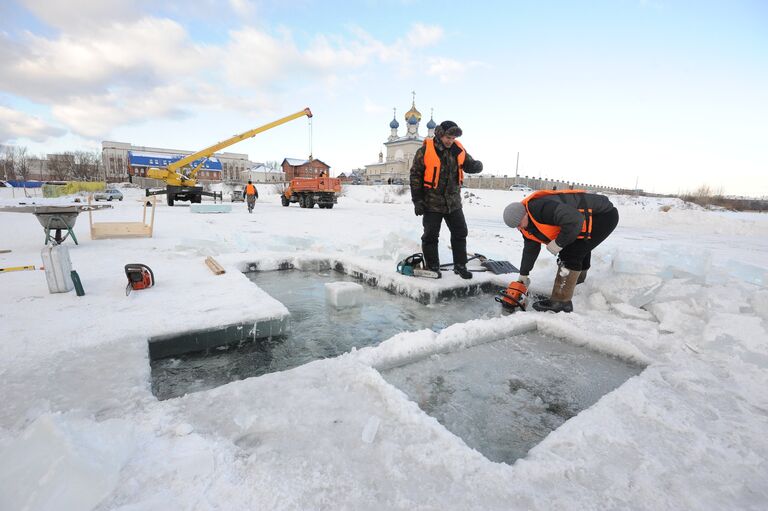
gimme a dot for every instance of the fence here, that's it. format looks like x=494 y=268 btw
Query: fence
x=504 y=182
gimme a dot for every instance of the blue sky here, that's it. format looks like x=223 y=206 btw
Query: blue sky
x=668 y=94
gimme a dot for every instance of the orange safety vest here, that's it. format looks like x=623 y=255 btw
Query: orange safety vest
x=432 y=164
x=250 y=190
x=551 y=231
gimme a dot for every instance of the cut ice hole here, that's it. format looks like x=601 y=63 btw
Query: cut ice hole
x=504 y=397
x=319 y=326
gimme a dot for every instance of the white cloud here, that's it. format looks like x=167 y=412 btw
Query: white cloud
x=147 y=52
x=15 y=124
x=449 y=70
x=245 y=8
x=125 y=71
x=424 y=35
x=76 y=15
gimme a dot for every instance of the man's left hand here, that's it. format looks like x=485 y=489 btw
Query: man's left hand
x=554 y=247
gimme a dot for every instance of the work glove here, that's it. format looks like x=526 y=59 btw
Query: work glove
x=418 y=208
x=524 y=279
x=553 y=247
x=477 y=167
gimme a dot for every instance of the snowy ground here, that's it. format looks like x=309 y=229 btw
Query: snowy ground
x=678 y=288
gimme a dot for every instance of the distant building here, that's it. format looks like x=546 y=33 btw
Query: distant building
x=140 y=161
x=117 y=163
x=259 y=173
x=400 y=150
x=294 y=168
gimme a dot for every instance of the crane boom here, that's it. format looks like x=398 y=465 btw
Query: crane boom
x=208 y=151
x=173 y=177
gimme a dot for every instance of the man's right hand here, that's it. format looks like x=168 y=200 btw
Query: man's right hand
x=524 y=279
x=418 y=208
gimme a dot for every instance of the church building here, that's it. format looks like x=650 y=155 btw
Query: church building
x=400 y=149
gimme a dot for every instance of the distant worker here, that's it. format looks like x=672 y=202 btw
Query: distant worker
x=251 y=194
x=436 y=178
x=322 y=173
x=571 y=223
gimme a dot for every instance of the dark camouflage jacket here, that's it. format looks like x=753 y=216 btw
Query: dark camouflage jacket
x=446 y=197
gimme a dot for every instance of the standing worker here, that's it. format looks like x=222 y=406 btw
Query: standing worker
x=436 y=177
x=251 y=194
x=571 y=223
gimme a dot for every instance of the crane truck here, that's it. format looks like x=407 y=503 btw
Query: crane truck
x=180 y=176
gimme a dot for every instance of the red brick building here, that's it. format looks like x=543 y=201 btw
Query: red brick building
x=303 y=168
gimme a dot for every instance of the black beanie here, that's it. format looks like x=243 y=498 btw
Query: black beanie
x=448 y=128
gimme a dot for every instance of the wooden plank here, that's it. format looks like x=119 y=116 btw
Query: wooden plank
x=215 y=267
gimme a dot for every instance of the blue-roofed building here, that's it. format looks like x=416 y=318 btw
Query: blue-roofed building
x=139 y=162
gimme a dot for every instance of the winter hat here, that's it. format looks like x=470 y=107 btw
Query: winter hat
x=513 y=214
x=448 y=128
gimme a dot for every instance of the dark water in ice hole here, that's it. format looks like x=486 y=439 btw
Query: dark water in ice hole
x=317 y=330
x=501 y=398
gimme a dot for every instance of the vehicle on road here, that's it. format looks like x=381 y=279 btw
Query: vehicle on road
x=322 y=191
x=520 y=188
x=108 y=195
x=237 y=195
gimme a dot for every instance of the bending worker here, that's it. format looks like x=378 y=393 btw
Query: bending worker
x=571 y=223
x=436 y=177
x=250 y=194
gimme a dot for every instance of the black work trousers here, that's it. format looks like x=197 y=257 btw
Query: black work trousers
x=578 y=255
x=456 y=224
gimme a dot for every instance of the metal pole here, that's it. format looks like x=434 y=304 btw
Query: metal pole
x=516 y=165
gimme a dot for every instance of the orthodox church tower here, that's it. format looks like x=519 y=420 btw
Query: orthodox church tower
x=400 y=150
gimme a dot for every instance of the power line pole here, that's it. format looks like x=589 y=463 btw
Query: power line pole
x=516 y=165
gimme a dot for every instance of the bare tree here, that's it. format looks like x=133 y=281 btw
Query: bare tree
x=21 y=163
x=86 y=166
x=7 y=158
x=60 y=166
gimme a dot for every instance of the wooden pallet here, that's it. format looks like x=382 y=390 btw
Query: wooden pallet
x=104 y=230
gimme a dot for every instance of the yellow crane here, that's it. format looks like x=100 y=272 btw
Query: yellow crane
x=180 y=176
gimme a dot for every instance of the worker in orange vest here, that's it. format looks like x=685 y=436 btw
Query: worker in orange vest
x=570 y=223
x=437 y=174
x=251 y=194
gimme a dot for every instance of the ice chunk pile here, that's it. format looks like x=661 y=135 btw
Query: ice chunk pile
x=343 y=294
x=60 y=464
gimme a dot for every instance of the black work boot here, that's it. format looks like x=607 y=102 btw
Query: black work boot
x=462 y=271
x=562 y=292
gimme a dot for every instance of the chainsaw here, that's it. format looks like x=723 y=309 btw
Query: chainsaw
x=516 y=295
x=139 y=277
x=413 y=266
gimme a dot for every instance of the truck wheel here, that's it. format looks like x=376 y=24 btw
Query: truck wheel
x=329 y=206
x=285 y=201
x=302 y=201
x=170 y=200
x=310 y=202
